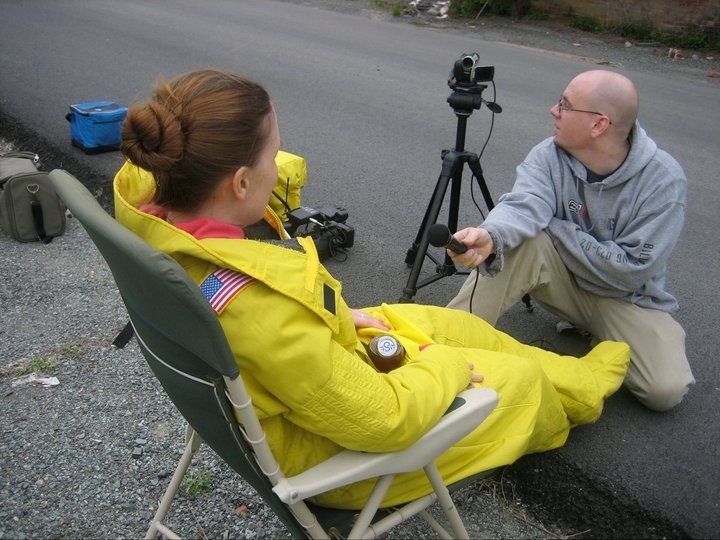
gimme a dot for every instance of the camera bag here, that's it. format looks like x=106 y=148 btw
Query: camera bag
x=30 y=210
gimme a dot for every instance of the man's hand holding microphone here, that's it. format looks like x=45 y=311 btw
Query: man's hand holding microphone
x=469 y=247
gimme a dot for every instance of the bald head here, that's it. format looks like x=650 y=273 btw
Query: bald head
x=612 y=93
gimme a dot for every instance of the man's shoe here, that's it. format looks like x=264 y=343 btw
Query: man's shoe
x=566 y=327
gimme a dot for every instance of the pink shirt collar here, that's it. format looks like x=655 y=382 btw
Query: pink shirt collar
x=200 y=228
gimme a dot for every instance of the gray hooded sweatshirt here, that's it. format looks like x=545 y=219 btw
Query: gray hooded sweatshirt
x=615 y=236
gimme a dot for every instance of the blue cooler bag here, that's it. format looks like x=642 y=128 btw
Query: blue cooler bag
x=95 y=125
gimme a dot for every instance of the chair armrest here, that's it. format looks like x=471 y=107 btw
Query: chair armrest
x=468 y=411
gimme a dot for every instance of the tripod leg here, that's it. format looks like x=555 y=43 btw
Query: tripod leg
x=416 y=254
x=476 y=168
x=421 y=249
x=438 y=194
x=448 y=268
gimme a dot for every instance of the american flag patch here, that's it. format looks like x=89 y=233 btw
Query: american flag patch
x=222 y=285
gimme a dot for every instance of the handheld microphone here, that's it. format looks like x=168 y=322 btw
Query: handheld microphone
x=440 y=236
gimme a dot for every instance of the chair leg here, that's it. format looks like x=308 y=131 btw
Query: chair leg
x=308 y=521
x=363 y=521
x=402 y=514
x=446 y=502
x=192 y=444
x=434 y=525
x=364 y=528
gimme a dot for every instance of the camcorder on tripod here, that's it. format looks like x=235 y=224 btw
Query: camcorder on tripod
x=467 y=81
x=466 y=74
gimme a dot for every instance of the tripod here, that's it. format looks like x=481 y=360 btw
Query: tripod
x=463 y=101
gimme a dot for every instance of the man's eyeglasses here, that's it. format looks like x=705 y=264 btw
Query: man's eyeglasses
x=562 y=107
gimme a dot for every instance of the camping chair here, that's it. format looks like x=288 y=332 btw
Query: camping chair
x=184 y=344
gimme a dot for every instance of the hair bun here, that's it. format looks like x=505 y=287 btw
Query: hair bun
x=152 y=137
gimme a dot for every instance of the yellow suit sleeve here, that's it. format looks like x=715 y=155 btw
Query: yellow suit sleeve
x=326 y=388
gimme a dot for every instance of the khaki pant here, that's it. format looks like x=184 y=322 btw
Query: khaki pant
x=659 y=374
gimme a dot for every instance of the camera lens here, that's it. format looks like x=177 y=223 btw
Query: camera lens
x=469 y=60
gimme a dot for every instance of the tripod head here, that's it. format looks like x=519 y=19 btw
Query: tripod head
x=465 y=101
x=466 y=81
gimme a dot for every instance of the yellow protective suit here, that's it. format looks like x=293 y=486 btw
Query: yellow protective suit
x=316 y=391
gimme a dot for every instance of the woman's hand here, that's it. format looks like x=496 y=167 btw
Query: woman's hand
x=474 y=377
x=363 y=320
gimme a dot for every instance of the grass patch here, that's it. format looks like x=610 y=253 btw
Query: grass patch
x=196 y=483
x=35 y=364
x=71 y=351
x=584 y=23
x=691 y=38
x=394 y=8
x=538 y=15
x=43 y=363
x=504 y=8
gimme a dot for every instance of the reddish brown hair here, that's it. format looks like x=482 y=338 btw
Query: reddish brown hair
x=197 y=128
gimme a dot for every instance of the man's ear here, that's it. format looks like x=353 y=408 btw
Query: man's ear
x=240 y=183
x=601 y=125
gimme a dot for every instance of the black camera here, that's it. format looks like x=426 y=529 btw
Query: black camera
x=467 y=73
x=326 y=225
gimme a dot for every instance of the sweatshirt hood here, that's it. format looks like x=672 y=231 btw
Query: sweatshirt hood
x=642 y=150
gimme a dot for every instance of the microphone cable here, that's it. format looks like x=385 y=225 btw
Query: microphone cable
x=472 y=191
x=482 y=150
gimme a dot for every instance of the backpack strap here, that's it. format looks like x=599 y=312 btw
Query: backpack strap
x=37 y=214
x=124 y=336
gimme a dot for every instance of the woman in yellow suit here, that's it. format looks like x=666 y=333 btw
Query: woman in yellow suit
x=200 y=171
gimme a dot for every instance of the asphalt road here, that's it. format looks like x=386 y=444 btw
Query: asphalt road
x=363 y=99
